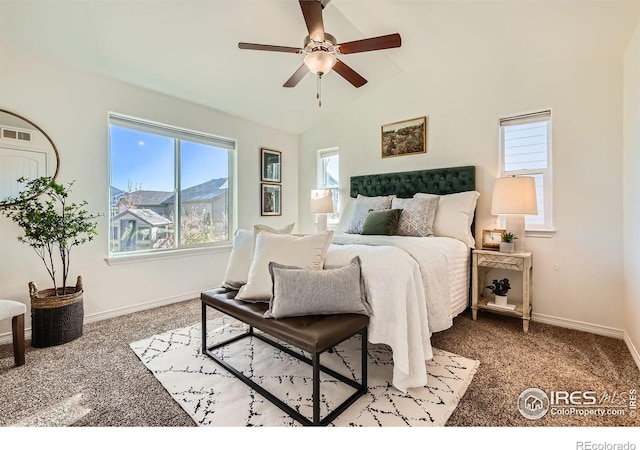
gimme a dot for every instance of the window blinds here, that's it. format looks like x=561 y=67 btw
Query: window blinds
x=526 y=141
x=172 y=132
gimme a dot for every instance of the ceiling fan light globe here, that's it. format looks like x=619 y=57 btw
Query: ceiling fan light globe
x=320 y=62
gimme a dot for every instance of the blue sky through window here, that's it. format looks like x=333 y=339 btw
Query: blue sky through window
x=146 y=161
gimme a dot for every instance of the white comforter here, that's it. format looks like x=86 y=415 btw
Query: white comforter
x=407 y=286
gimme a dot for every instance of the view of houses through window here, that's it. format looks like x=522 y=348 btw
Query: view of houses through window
x=169 y=187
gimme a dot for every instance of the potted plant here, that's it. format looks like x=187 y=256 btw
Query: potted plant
x=52 y=226
x=499 y=288
x=507 y=244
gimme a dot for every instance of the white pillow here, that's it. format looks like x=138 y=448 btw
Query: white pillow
x=242 y=253
x=306 y=251
x=363 y=206
x=454 y=215
x=345 y=216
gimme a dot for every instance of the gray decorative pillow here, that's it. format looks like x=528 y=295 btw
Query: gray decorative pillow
x=417 y=216
x=362 y=208
x=304 y=292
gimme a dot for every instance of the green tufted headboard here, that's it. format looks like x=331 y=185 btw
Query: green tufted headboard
x=404 y=184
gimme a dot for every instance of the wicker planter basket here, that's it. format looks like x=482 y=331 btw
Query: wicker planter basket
x=56 y=319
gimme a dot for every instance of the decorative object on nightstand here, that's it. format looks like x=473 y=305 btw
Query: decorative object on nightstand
x=514 y=197
x=485 y=260
x=321 y=204
x=507 y=243
x=499 y=288
x=491 y=239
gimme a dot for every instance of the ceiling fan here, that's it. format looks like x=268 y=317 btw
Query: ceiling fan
x=321 y=49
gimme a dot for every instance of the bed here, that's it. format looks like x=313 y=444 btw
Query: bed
x=415 y=281
x=416 y=285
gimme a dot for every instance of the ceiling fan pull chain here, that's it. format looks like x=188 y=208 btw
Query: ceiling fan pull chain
x=319 y=90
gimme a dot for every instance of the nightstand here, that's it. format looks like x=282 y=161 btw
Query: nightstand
x=483 y=260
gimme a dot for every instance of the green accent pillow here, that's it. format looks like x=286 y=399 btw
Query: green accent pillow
x=381 y=222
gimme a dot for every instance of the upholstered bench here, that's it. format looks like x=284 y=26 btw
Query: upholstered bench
x=15 y=311
x=313 y=334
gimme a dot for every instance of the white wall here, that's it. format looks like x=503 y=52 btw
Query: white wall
x=463 y=105
x=72 y=108
x=631 y=228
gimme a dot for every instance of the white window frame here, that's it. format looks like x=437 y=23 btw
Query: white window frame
x=193 y=136
x=547 y=174
x=332 y=219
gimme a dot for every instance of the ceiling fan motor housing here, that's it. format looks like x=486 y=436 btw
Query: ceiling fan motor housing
x=328 y=45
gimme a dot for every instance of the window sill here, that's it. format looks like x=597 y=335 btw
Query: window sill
x=158 y=256
x=540 y=233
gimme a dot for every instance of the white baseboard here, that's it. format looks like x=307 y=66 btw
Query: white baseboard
x=580 y=326
x=6 y=338
x=590 y=328
x=632 y=349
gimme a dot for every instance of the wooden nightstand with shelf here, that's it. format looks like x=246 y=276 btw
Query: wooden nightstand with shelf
x=483 y=260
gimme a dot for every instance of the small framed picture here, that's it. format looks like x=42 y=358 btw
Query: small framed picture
x=271 y=195
x=408 y=137
x=270 y=165
x=491 y=239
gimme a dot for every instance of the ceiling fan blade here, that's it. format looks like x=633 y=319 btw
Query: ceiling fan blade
x=370 y=44
x=349 y=74
x=312 y=12
x=297 y=76
x=269 y=48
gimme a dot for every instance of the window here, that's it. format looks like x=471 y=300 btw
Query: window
x=169 y=187
x=329 y=178
x=525 y=150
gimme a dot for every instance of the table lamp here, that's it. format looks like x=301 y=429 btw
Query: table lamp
x=321 y=204
x=514 y=197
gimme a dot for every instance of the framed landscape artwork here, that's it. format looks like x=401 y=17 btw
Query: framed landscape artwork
x=408 y=137
x=271 y=163
x=271 y=204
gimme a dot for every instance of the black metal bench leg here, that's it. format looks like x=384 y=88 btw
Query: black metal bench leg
x=316 y=389
x=204 y=327
x=364 y=337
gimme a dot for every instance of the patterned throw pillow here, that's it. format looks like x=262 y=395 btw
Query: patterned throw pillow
x=417 y=217
x=362 y=208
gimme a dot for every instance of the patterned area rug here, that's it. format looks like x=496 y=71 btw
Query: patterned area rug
x=214 y=397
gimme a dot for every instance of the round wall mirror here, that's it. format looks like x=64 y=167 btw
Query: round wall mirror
x=25 y=151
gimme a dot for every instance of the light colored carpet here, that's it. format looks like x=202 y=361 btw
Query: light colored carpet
x=62 y=414
x=214 y=397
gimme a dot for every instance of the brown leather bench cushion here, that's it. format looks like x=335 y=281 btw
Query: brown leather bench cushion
x=313 y=334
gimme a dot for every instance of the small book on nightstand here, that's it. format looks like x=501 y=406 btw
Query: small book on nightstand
x=508 y=306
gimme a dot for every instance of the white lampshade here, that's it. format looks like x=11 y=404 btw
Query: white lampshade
x=320 y=62
x=321 y=201
x=514 y=195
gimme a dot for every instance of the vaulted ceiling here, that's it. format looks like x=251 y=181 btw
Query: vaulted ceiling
x=189 y=49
